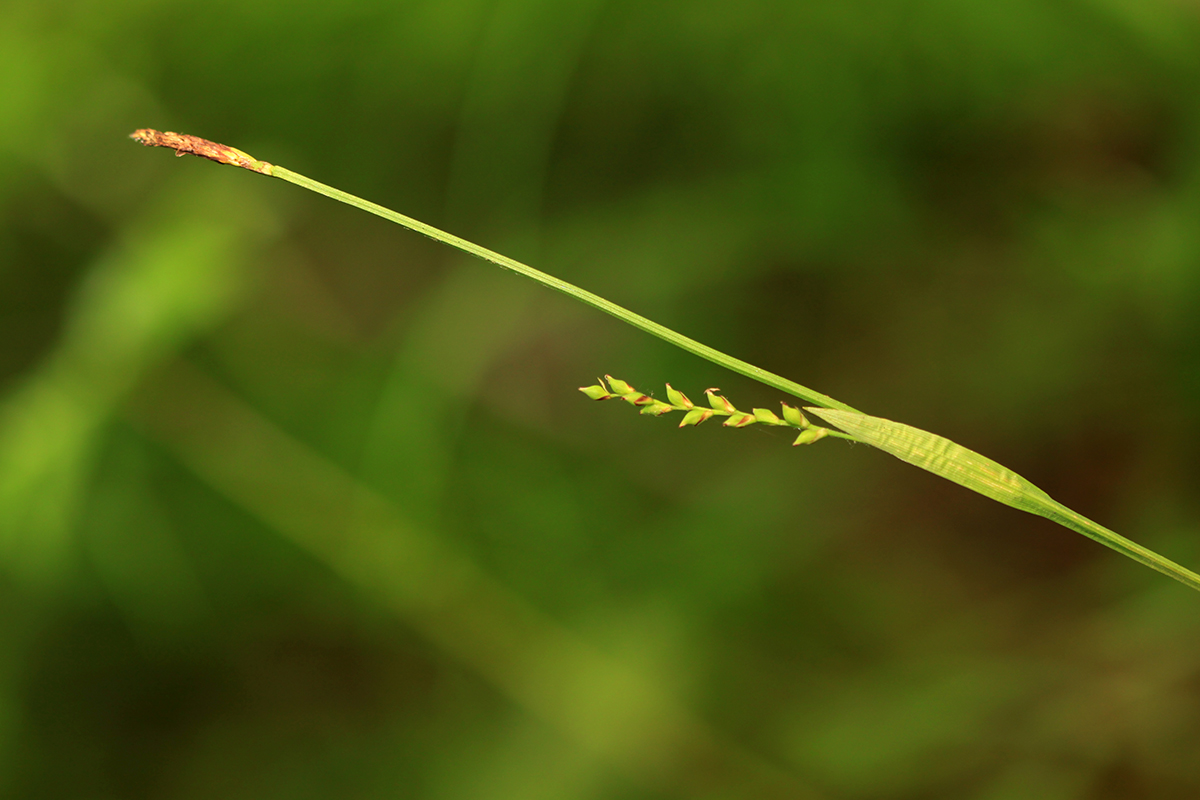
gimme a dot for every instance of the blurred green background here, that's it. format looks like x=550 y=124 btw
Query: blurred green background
x=297 y=504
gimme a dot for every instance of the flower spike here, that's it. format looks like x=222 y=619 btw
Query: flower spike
x=720 y=406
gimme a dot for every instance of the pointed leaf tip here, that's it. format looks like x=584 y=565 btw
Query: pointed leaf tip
x=718 y=402
x=656 y=408
x=618 y=386
x=595 y=392
x=794 y=416
x=810 y=435
x=766 y=417
x=677 y=397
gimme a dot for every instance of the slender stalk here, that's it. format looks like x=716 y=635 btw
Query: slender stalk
x=1073 y=520
x=184 y=144
x=926 y=450
x=584 y=296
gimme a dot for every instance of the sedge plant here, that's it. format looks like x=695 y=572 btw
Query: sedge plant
x=928 y=451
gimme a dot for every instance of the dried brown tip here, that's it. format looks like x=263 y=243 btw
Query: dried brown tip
x=184 y=144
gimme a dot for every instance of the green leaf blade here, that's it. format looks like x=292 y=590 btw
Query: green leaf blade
x=979 y=473
x=940 y=456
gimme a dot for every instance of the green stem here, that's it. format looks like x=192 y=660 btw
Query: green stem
x=584 y=296
x=1057 y=512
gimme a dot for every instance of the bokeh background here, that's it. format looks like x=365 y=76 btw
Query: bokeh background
x=297 y=504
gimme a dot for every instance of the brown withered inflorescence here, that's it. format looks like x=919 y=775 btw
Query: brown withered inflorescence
x=183 y=144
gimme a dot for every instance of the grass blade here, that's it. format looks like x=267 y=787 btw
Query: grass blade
x=979 y=473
